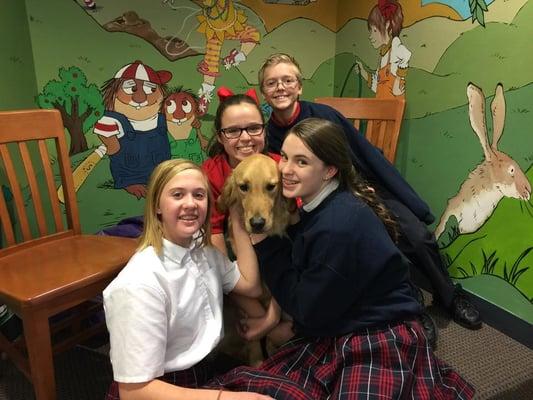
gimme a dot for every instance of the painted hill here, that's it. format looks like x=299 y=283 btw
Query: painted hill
x=475 y=254
x=440 y=69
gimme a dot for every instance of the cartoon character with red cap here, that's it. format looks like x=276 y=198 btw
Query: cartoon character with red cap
x=132 y=128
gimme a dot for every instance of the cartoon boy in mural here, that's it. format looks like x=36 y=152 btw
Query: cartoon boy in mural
x=185 y=136
x=385 y=23
x=220 y=21
x=132 y=128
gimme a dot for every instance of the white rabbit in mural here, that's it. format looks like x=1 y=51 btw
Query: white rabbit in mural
x=498 y=175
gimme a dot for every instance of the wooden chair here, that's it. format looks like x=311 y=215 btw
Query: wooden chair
x=383 y=116
x=47 y=266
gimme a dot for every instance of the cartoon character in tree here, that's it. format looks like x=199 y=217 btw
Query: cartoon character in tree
x=80 y=104
x=132 y=128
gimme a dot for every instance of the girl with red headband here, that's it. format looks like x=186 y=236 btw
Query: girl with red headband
x=239 y=132
x=384 y=26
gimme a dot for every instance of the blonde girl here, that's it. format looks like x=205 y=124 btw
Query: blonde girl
x=164 y=310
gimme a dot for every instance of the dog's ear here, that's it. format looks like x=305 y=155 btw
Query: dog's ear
x=227 y=197
x=281 y=213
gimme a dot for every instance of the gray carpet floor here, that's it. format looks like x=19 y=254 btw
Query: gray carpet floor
x=499 y=367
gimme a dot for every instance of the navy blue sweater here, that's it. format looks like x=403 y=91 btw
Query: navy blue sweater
x=338 y=271
x=367 y=159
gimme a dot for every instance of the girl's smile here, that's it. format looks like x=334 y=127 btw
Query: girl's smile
x=183 y=206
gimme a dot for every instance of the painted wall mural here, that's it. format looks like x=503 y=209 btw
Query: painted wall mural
x=452 y=60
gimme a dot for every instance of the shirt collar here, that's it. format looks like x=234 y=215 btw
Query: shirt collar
x=331 y=186
x=176 y=252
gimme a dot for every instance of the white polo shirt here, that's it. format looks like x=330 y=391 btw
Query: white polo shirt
x=165 y=313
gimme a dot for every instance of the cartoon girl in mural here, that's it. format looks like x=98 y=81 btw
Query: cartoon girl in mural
x=132 y=129
x=384 y=25
x=185 y=136
x=220 y=21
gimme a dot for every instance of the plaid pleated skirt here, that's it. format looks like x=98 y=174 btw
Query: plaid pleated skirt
x=394 y=362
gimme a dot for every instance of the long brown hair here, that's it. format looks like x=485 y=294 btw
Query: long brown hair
x=327 y=141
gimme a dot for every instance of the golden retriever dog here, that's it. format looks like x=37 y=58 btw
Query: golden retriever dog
x=255 y=188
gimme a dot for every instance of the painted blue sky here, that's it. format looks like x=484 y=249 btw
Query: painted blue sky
x=461 y=6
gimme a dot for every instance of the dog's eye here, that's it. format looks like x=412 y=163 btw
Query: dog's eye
x=243 y=187
x=270 y=187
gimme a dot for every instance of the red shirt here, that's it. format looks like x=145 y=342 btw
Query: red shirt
x=217 y=170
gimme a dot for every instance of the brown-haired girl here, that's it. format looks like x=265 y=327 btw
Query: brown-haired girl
x=341 y=277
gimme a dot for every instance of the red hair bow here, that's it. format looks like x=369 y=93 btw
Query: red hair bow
x=223 y=93
x=387 y=9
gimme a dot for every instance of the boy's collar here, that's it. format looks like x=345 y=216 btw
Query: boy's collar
x=293 y=117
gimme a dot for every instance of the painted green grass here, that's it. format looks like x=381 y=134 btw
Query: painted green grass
x=502 y=247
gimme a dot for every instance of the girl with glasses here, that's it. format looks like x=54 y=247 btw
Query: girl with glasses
x=340 y=275
x=239 y=132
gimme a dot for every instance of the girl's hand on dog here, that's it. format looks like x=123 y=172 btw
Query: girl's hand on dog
x=237 y=221
x=255 y=328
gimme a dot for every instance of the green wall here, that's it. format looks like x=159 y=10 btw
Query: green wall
x=17 y=71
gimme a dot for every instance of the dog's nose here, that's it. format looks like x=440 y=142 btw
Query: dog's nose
x=257 y=224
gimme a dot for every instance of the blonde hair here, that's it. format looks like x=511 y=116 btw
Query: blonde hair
x=275 y=59
x=153 y=230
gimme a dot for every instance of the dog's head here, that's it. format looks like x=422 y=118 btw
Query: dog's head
x=255 y=187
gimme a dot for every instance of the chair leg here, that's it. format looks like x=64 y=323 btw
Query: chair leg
x=39 y=345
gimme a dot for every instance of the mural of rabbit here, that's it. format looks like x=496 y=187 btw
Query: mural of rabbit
x=498 y=175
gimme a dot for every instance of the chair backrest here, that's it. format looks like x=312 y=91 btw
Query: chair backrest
x=383 y=116
x=33 y=150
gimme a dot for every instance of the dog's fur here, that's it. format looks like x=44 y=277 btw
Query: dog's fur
x=255 y=188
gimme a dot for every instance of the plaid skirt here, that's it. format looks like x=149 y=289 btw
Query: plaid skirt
x=394 y=362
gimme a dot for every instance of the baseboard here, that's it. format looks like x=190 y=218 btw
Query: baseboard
x=498 y=318
x=505 y=322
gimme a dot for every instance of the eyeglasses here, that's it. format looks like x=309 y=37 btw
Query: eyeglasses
x=234 y=132
x=288 y=82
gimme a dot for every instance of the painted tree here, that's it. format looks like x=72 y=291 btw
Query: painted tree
x=80 y=104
